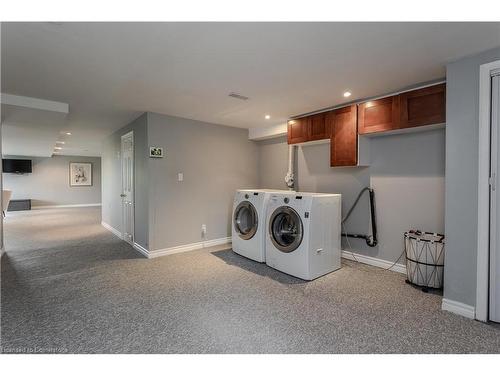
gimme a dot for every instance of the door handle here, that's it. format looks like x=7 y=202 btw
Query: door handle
x=123 y=195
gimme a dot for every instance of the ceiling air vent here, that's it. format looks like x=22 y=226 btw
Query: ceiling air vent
x=238 y=96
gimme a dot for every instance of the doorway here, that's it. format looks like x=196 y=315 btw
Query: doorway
x=494 y=295
x=488 y=251
x=127 y=194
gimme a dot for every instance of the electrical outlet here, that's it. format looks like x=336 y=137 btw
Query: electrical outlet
x=203 y=229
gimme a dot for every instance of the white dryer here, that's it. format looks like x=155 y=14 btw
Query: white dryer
x=303 y=233
x=248 y=224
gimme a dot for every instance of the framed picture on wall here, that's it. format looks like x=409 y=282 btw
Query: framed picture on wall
x=80 y=174
x=156 y=152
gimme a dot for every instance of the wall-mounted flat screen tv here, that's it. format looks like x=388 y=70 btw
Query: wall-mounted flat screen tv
x=16 y=166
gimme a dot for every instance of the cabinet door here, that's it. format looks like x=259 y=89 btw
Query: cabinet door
x=424 y=106
x=319 y=128
x=344 y=139
x=298 y=130
x=378 y=115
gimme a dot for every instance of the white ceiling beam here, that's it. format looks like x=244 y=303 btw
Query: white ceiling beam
x=259 y=134
x=34 y=103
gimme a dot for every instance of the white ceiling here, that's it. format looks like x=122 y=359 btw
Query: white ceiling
x=109 y=73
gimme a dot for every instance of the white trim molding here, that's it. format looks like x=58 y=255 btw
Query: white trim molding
x=118 y=234
x=381 y=263
x=113 y=230
x=188 y=247
x=458 y=308
x=170 y=250
x=483 y=199
x=66 y=206
x=141 y=249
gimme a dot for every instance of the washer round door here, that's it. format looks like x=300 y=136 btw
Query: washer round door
x=246 y=220
x=285 y=228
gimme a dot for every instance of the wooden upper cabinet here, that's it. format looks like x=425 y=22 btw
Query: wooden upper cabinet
x=379 y=115
x=423 y=106
x=344 y=138
x=310 y=128
x=298 y=130
x=319 y=128
x=419 y=107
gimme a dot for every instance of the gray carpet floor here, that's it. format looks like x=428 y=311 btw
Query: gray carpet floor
x=68 y=285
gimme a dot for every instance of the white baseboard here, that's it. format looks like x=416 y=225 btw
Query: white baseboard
x=170 y=250
x=66 y=206
x=115 y=231
x=188 y=247
x=381 y=263
x=458 y=308
x=118 y=234
x=141 y=249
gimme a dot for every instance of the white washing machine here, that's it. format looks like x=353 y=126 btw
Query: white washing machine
x=303 y=233
x=248 y=224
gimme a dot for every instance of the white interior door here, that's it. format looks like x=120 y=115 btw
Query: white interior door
x=127 y=194
x=495 y=201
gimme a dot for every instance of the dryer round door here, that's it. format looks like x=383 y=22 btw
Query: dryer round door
x=285 y=229
x=246 y=220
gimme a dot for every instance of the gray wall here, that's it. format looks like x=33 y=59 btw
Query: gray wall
x=216 y=160
x=462 y=112
x=1 y=187
x=111 y=180
x=406 y=171
x=48 y=185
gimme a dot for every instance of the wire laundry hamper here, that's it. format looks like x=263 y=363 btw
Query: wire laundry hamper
x=424 y=259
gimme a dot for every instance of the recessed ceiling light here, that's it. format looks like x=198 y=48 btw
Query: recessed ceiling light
x=267 y=117
x=347 y=94
x=68 y=133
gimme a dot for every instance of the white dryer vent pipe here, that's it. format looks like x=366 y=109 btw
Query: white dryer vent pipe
x=290 y=176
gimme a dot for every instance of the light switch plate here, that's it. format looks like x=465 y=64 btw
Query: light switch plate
x=180 y=176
